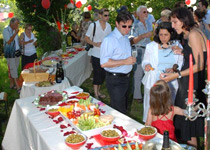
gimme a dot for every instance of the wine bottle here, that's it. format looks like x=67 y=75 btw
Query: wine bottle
x=61 y=70
x=58 y=76
x=166 y=144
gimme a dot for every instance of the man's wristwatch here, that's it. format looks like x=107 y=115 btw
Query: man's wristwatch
x=179 y=74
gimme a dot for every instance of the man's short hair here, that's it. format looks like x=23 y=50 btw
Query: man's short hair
x=124 y=16
x=101 y=12
x=139 y=8
x=13 y=20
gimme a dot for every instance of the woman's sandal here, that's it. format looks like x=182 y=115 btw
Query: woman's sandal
x=102 y=96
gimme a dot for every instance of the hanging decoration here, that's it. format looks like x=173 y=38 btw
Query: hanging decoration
x=5 y=15
x=46 y=4
x=188 y=2
x=193 y=2
x=71 y=1
x=78 y=4
x=83 y=1
x=89 y=7
x=85 y=9
x=10 y=15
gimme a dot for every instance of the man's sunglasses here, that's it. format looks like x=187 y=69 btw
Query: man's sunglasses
x=145 y=12
x=106 y=15
x=124 y=26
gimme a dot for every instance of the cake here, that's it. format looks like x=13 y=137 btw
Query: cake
x=50 y=98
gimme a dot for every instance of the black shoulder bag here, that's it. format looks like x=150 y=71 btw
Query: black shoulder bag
x=89 y=45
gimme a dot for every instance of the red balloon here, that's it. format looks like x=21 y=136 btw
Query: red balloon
x=10 y=14
x=187 y=2
x=89 y=7
x=46 y=4
x=78 y=4
x=71 y=1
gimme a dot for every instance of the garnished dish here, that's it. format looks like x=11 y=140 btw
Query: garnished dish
x=49 y=63
x=83 y=95
x=86 y=122
x=147 y=132
x=66 y=56
x=110 y=135
x=53 y=111
x=44 y=84
x=75 y=141
x=50 y=98
x=78 y=47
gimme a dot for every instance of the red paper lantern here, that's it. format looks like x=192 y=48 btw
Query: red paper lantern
x=58 y=25
x=187 y=2
x=10 y=15
x=78 y=4
x=46 y=4
x=89 y=7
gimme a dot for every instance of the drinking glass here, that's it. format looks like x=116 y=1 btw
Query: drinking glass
x=134 y=51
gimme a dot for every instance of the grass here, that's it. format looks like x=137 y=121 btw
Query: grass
x=135 y=108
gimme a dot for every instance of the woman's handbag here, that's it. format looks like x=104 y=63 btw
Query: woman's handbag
x=17 y=53
x=87 y=48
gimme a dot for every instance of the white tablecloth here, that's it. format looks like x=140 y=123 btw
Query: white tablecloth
x=78 y=68
x=31 y=129
x=29 y=89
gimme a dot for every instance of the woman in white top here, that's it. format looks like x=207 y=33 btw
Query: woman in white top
x=160 y=56
x=28 y=43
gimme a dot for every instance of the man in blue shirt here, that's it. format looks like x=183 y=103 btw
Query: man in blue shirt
x=116 y=59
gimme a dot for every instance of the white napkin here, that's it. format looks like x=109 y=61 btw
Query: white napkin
x=149 y=79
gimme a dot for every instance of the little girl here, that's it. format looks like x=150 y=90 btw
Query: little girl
x=161 y=111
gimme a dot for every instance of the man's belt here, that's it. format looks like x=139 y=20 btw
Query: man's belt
x=140 y=46
x=118 y=74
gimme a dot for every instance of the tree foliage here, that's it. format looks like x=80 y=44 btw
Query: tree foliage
x=48 y=37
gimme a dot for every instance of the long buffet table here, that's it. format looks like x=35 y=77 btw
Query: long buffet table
x=31 y=129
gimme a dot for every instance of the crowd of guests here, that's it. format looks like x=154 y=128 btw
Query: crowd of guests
x=162 y=65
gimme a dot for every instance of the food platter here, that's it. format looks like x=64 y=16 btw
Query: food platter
x=49 y=62
x=45 y=84
x=61 y=95
x=85 y=117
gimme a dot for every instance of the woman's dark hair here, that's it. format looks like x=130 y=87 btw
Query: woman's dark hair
x=185 y=16
x=168 y=27
x=160 y=98
x=200 y=14
x=87 y=15
x=124 y=16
